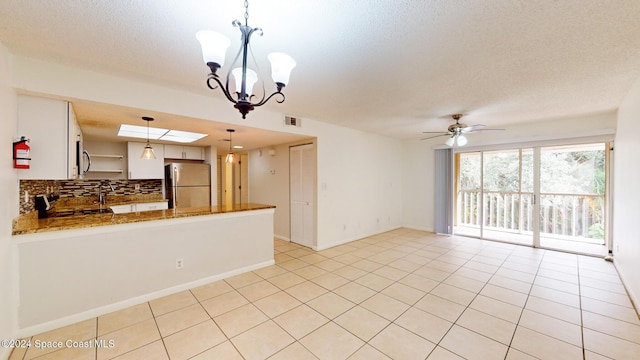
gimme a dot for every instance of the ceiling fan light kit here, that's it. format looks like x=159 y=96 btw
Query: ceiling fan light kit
x=459 y=140
x=214 y=47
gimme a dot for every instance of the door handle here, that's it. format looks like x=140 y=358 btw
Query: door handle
x=175 y=188
x=85 y=153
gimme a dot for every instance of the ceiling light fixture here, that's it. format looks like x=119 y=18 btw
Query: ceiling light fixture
x=214 y=48
x=230 y=156
x=148 y=153
x=456 y=132
x=458 y=139
x=141 y=132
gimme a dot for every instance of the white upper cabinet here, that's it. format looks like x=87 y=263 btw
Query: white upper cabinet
x=52 y=130
x=145 y=168
x=183 y=152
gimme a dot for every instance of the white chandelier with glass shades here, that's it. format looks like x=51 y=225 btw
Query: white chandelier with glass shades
x=214 y=48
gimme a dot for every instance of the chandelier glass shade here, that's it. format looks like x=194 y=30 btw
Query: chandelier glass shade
x=251 y=78
x=214 y=47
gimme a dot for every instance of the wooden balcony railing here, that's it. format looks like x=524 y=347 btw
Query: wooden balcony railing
x=577 y=217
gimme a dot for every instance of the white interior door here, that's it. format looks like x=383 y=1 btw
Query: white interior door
x=302 y=166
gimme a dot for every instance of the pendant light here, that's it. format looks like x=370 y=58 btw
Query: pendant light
x=230 y=156
x=148 y=152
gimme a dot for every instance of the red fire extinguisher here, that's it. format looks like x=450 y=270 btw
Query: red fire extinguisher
x=21 y=153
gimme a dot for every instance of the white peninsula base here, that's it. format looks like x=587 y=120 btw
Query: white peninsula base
x=73 y=275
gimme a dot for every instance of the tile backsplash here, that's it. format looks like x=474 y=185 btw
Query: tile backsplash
x=82 y=188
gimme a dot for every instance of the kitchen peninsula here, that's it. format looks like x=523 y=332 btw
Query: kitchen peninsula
x=90 y=265
x=29 y=224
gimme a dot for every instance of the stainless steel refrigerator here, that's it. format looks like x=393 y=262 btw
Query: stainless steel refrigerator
x=188 y=185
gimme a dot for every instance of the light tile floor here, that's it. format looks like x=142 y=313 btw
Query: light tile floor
x=403 y=294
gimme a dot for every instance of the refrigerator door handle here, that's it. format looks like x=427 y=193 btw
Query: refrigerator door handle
x=174 y=187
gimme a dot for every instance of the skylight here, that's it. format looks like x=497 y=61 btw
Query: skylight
x=159 y=134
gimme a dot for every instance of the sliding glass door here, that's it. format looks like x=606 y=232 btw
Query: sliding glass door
x=508 y=200
x=496 y=193
x=468 y=194
x=573 y=197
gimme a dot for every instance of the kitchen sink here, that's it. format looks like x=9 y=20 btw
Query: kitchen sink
x=120 y=209
x=138 y=207
x=80 y=212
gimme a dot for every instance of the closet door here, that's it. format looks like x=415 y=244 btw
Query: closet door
x=302 y=172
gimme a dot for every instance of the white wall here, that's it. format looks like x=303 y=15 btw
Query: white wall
x=269 y=184
x=418 y=184
x=39 y=77
x=626 y=193
x=418 y=156
x=9 y=202
x=359 y=184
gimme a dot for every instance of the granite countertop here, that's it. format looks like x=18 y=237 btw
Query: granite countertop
x=30 y=224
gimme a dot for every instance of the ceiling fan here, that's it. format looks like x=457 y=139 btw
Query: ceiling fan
x=457 y=131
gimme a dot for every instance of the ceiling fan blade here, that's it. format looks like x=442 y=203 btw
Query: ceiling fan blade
x=473 y=128
x=458 y=130
x=433 y=137
x=482 y=130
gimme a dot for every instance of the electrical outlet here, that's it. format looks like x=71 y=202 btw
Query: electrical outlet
x=179 y=264
x=136 y=186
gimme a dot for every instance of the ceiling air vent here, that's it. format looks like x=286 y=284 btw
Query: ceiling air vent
x=292 y=121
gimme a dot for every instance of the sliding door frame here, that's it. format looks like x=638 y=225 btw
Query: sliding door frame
x=536 y=197
x=607 y=139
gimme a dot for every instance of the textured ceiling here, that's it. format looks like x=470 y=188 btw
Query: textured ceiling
x=395 y=67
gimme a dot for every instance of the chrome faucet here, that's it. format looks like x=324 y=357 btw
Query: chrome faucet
x=102 y=197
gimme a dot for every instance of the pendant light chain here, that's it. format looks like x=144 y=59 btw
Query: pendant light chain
x=246 y=12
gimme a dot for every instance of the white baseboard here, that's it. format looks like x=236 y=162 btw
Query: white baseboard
x=418 y=228
x=632 y=296
x=280 y=237
x=354 y=238
x=85 y=315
